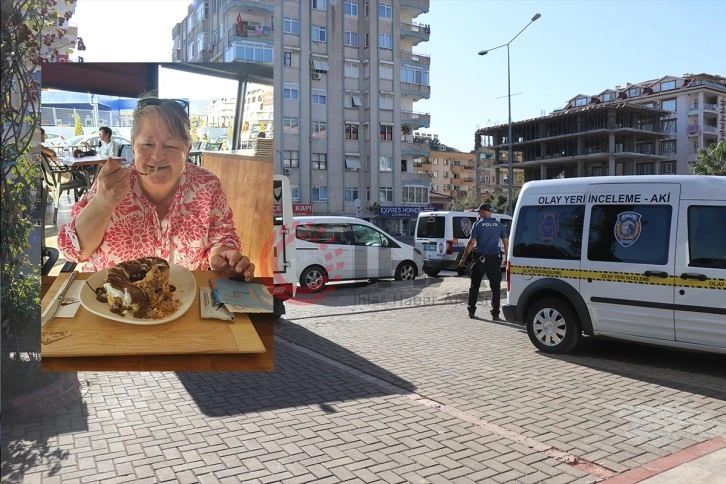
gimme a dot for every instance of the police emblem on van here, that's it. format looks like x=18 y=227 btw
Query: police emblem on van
x=627 y=228
x=466 y=226
x=549 y=226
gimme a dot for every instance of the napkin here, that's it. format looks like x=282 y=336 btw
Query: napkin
x=71 y=301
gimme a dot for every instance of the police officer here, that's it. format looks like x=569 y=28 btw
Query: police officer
x=484 y=240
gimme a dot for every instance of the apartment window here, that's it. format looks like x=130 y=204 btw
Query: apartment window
x=291 y=25
x=350 y=38
x=350 y=194
x=669 y=126
x=633 y=91
x=355 y=101
x=385 y=41
x=436 y=174
x=320 y=161
x=581 y=101
x=350 y=7
x=249 y=51
x=385 y=194
x=668 y=168
x=351 y=131
x=319 y=129
x=668 y=147
x=385 y=71
x=320 y=193
x=318 y=4
x=669 y=104
x=288 y=58
x=319 y=97
x=608 y=96
x=644 y=169
x=385 y=10
x=597 y=171
x=385 y=101
x=365 y=40
x=319 y=33
x=414 y=75
x=295 y=193
x=385 y=163
x=446 y=162
x=352 y=162
x=386 y=132
x=291 y=158
x=352 y=69
x=290 y=125
x=667 y=85
x=436 y=188
x=446 y=174
x=290 y=91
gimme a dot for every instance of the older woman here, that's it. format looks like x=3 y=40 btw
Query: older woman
x=161 y=206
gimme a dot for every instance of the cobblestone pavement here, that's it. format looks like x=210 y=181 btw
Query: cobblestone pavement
x=384 y=383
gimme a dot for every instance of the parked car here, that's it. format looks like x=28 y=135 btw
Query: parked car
x=53 y=140
x=92 y=141
x=333 y=248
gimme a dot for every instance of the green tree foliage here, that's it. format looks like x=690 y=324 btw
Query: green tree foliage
x=711 y=160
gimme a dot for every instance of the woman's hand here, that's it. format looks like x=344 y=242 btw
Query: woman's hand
x=232 y=260
x=113 y=183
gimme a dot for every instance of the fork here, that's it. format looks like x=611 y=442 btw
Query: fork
x=149 y=170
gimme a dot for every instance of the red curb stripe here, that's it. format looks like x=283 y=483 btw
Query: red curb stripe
x=668 y=462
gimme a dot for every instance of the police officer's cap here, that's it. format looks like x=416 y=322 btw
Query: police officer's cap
x=485 y=206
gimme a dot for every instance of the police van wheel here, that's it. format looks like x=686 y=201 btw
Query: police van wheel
x=431 y=272
x=552 y=326
x=405 y=271
x=313 y=279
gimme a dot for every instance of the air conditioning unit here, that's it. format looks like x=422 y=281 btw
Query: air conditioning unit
x=286 y=171
x=315 y=76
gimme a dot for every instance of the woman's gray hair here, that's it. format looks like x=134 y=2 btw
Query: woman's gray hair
x=169 y=111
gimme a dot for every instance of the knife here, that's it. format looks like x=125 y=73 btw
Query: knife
x=53 y=306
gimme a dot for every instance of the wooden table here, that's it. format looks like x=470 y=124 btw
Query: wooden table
x=164 y=345
x=95 y=161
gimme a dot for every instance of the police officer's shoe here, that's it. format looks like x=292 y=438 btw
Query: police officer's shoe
x=495 y=316
x=471 y=313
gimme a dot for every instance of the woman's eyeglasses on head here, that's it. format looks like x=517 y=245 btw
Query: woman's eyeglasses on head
x=155 y=101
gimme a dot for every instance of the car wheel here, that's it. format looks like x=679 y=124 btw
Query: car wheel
x=552 y=326
x=313 y=279
x=431 y=272
x=405 y=271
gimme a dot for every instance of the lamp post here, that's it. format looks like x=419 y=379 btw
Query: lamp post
x=510 y=154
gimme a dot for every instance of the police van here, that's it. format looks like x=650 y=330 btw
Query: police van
x=639 y=258
x=442 y=236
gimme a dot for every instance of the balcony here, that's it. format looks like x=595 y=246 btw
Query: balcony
x=415 y=149
x=413 y=58
x=415 y=120
x=710 y=129
x=260 y=32
x=249 y=51
x=413 y=8
x=710 y=107
x=415 y=32
x=415 y=177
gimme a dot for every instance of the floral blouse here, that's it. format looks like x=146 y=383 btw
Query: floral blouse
x=198 y=220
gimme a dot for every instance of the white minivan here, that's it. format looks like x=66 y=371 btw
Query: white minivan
x=442 y=236
x=331 y=248
x=639 y=258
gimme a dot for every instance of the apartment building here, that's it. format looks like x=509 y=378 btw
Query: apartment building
x=651 y=127
x=346 y=80
x=452 y=172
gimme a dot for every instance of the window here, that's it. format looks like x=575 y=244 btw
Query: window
x=668 y=147
x=351 y=131
x=290 y=125
x=295 y=193
x=290 y=91
x=414 y=75
x=319 y=33
x=446 y=174
x=608 y=96
x=581 y=101
x=290 y=158
x=350 y=194
x=350 y=7
x=288 y=58
x=350 y=38
x=644 y=169
x=385 y=194
x=365 y=40
x=706 y=233
x=385 y=41
x=633 y=91
x=667 y=85
x=249 y=51
x=291 y=25
x=668 y=168
x=320 y=65
x=597 y=171
x=385 y=71
x=319 y=97
x=355 y=101
x=320 y=161
x=669 y=126
x=319 y=129
x=416 y=194
x=385 y=101
x=352 y=163
x=550 y=232
x=352 y=69
x=385 y=10
x=325 y=233
x=368 y=236
x=385 y=163
x=365 y=9
x=386 y=132
x=669 y=105
x=651 y=245
x=320 y=193
x=318 y=4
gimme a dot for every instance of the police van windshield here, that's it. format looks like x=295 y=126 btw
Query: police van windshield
x=432 y=227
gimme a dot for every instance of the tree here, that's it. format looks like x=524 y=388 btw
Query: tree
x=78 y=130
x=462 y=204
x=711 y=160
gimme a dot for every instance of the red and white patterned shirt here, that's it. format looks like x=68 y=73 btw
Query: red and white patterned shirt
x=198 y=220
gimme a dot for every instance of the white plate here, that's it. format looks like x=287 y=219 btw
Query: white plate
x=179 y=277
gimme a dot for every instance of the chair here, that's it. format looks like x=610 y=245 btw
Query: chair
x=53 y=174
x=197 y=145
x=213 y=146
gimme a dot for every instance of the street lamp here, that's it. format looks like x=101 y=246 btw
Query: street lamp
x=510 y=154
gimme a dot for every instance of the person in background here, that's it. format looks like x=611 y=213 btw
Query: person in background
x=160 y=206
x=108 y=147
x=49 y=152
x=484 y=241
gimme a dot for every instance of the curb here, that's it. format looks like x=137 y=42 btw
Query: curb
x=46 y=400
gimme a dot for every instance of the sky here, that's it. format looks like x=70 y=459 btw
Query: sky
x=576 y=47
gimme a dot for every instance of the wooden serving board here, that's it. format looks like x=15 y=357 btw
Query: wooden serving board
x=88 y=334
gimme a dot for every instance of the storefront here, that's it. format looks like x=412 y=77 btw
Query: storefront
x=400 y=221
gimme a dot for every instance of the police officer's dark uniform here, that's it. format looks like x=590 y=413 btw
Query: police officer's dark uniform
x=484 y=240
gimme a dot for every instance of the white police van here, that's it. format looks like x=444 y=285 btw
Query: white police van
x=442 y=236
x=639 y=258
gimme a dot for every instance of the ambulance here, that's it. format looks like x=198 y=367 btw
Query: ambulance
x=638 y=258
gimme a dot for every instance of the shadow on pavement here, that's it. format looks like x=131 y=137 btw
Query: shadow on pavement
x=299 y=379
x=699 y=373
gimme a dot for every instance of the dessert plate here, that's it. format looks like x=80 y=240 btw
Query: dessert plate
x=179 y=277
